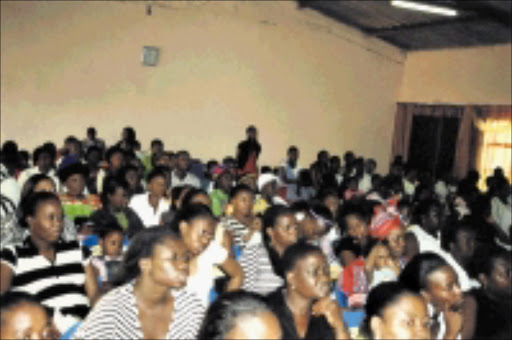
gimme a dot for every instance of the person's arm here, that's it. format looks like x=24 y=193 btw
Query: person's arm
x=469 y=310
x=6 y=276
x=235 y=273
x=91 y=283
x=454 y=321
x=412 y=247
x=329 y=309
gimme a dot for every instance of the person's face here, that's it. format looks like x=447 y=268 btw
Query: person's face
x=285 y=232
x=157 y=186
x=242 y=203
x=45 y=185
x=443 y=289
x=252 y=134
x=293 y=156
x=406 y=318
x=357 y=229
x=93 y=158
x=369 y=167
x=499 y=283
x=46 y=224
x=260 y=326
x=197 y=234
x=44 y=162
x=132 y=177
x=225 y=182
x=116 y=161
x=382 y=256
x=269 y=189
x=27 y=321
x=324 y=158
x=347 y=257
x=164 y=160
x=169 y=265
x=396 y=243
x=74 y=149
x=75 y=184
x=310 y=277
x=183 y=162
x=432 y=220
x=464 y=246
x=119 y=199
x=112 y=244
x=332 y=203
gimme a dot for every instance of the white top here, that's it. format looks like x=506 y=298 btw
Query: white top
x=427 y=243
x=201 y=282
x=27 y=173
x=10 y=193
x=502 y=214
x=189 y=179
x=365 y=183
x=140 y=204
x=409 y=187
x=289 y=172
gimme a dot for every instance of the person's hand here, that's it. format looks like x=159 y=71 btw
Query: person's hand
x=329 y=309
x=453 y=320
x=394 y=265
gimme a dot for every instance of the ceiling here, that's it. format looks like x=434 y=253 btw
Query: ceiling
x=479 y=23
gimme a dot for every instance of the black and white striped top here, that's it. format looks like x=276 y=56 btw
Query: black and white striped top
x=237 y=231
x=116 y=316
x=259 y=275
x=57 y=285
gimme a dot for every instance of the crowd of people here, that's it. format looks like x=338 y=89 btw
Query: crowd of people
x=113 y=242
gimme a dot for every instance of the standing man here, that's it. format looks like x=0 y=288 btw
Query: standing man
x=248 y=152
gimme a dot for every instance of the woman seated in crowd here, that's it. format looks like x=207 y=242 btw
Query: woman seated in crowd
x=303 y=306
x=58 y=273
x=149 y=302
x=23 y=317
x=240 y=315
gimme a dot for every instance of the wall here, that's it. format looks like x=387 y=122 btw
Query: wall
x=480 y=75
x=299 y=77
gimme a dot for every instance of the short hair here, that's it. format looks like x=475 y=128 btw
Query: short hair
x=486 y=257
x=326 y=192
x=38 y=152
x=361 y=210
x=295 y=253
x=190 y=213
x=91 y=130
x=239 y=189
x=157 y=141
x=346 y=243
x=110 y=185
x=52 y=149
x=32 y=203
x=424 y=207
x=226 y=313
x=449 y=235
x=182 y=153
x=142 y=245
x=112 y=151
x=31 y=183
x=12 y=299
x=109 y=228
x=417 y=271
x=156 y=172
x=381 y=297
x=189 y=196
x=293 y=148
x=250 y=128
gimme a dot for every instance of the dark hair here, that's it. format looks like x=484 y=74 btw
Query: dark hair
x=250 y=128
x=91 y=130
x=155 y=172
x=156 y=141
x=293 y=148
x=93 y=148
x=326 y=192
x=38 y=152
x=111 y=151
x=32 y=203
x=52 y=149
x=12 y=299
x=360 y=210
x=346 y=243
x=294 y=254
x=423 y=208
x=381 y=297
x=449 y=234
x=238 y=189
x=225 y=313
x=131 y=135
x=320 y=212
x=189 y=213
x=486 y=257
x=31 y=183
x=416 y=272
x=182 y=153
x=110 y=185
x=176 y=193
x=142 y=245
x=106 y=229
x=190 y=195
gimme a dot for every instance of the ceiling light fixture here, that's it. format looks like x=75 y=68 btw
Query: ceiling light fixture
x=416 y=6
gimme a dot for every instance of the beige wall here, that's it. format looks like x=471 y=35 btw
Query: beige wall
x=480 y=75
x=300 y=77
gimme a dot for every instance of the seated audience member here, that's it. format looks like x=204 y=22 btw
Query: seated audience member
x=431 y=276
x=394 y=311
x=177 y=194
x=71 y=152
x=151 y=205
x=92 y=140
x=181 y=174
x=23 y=317
x=128 y=140
x=196 y=225
x=248 y=151
x=93 y=158
x=220 y=194
x=13 y=233
x=115 y=158
x=240 y=315
x=238 y=223
x=423 y=238
x=149 y=302
x=302 y=189
x=501 y=213
x=388 y=229
x=57 y=272
x=156 y=148
x=107 y=264
x=350 y=189
x=380 y=266
x=131 y=175
x=346 y=250
x=260 y=261
x=303 y=306
x=357 y=218
x=267 y=186
x=493 y=302
x=460 y=241
x=74 y=201
x=115 y=208
x=365 y=183
x=42 y=165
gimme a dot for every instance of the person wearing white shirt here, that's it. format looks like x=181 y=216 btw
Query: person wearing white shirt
x=42 y=165
x=181 y=175
x=150 y=206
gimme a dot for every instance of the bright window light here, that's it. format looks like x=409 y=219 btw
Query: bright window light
x=415 y=6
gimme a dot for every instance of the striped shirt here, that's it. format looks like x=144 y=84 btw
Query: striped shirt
x=259 y=274
x=57 y=285
x=237 y=230
x=116 y=316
